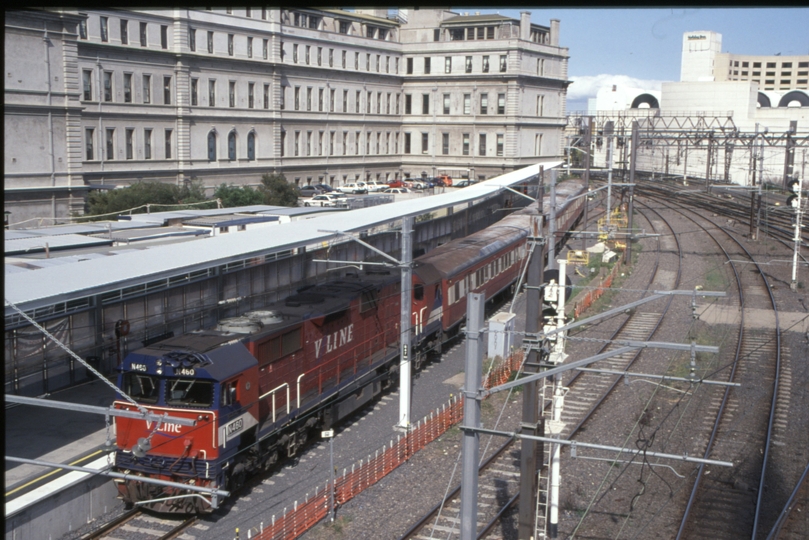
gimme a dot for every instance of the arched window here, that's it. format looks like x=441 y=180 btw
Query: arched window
x=232 y=146
x=212 y=146
x=251 y=146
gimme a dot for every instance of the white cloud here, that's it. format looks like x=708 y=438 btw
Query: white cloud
x=588 y=86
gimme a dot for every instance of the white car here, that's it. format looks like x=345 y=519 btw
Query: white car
x=373 y=187
x=321 y=200
x=354 y=187
x=396 y=190
x=416 y=184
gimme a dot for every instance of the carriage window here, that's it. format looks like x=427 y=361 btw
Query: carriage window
x=190 y=392
x=142 y=388
x=418 y=292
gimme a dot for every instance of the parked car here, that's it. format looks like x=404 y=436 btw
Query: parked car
x=324 y=187
x=319 y=200
x=417 y=184
x=396 y=184
x=373 y=186
x=308 y=191
x=397 y=190
x=444 y=179
x=354 y=187
x=464 y=183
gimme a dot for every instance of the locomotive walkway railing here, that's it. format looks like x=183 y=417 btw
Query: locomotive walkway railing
x=303 y=516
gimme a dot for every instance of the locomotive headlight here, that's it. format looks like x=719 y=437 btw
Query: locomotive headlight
x=159 y=371
x=159 y=362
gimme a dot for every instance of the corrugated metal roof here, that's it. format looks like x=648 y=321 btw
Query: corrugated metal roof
x=162 y=217
x=225 y=221
x=30 y=290
x=33 y=244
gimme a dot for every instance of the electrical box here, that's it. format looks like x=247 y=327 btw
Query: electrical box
x=501 y=334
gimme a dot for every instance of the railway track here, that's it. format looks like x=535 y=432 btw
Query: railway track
x=139 y=525
x=728 y=504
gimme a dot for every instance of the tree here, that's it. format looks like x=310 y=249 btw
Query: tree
x=231 y=195
x=140 y=194
x=277 y=191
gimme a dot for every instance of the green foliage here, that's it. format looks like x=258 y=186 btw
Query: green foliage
x=277 y=191
x=231 y=195
x=136 y=196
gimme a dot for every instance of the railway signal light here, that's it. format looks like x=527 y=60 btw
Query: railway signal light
x=794 y=186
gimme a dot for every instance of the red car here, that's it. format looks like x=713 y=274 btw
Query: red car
x=396 y=184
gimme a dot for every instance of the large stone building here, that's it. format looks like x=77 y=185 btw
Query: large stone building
x=96 y=99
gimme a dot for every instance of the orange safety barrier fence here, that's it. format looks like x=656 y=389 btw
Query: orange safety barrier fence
x=588 y=298
x=294 y=522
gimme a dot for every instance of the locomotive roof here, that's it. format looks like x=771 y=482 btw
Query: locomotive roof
x=212 y=354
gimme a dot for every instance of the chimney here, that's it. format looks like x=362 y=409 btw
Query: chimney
x=554 y=32
x=525 y=25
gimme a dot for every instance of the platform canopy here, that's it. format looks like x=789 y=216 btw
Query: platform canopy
x=48 y=286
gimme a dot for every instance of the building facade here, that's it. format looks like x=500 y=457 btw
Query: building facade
x=226 y=95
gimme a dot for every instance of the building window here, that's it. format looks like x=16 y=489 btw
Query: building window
x=503 y=63
x=308 y=143
x=143 y=35
x=124 y=32
x=194 y=92
x=501 y=104
x=265 y=47
x=356 y=60
x=167 y=90
x=249 y=47
x=345 y=143
x=212 y=146
x=446 y=103
x=192 y=39
x=343 y=58
x=320 y=56
x=104 y=29
x=331 y=57
x=387 y=64
x=232 y=146
x=467 y=103
x=378 y=62
x=345 y=100
x=357 y=144
x=367 y=61
x=398 y=100
x=437 y=34
x=445 y=143
x=230 y=44
x=283 y=142
x=306 y=54
x=484 y=104
x=308 y=99
x=482 y=145
x=481 y=32
x=357 y=99
x=110 y=143
x=167 y=139
x=294 y=53
x=267 y=96
x=490 y=32
x=88 y=143
x=368 y=144
x=147 y=88
x=87 y=84
x=486 y=64
x=425 y=142
x=250 y=97
x=425 y=104
x=232 y=93
x=427 y=65
x=344 y=27
x=538 y=145
x=331 y=99
x=210 y=42
x=83 y=29
x=466 y=144
x=448 y=64
x=540 y=105
x=408 y=104
x=409 y=66
x=500 y=138
x=297 y=98
x=379 y=103
x=320 y=99
x=407 y=143
x=108 y=86
x=147 y=144
x=456 y=34
x=211 y=92
x=127 y=88
x=251 y=146
x=331 y=143
x=468 y=64
x=297 y=143
x=164 y=36
x=541 y=66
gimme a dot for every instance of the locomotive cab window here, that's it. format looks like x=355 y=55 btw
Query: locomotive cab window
x=143 y=388
x=229 y=396
x=189 y=392
x=418 y=292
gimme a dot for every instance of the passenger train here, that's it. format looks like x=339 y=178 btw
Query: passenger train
x=259 y=387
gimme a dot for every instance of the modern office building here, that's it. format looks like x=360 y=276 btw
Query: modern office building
x=99 y=99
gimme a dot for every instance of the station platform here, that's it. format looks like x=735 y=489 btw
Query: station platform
x=54 y=435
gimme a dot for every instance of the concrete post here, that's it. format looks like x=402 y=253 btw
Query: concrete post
x=471 y=416
x=588 y=137
x=632 y=162
x=405 y=323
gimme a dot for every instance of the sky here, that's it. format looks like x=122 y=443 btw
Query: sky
x=642 y=47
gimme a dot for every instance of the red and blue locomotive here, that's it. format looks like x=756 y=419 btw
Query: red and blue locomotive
x=258 y=391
